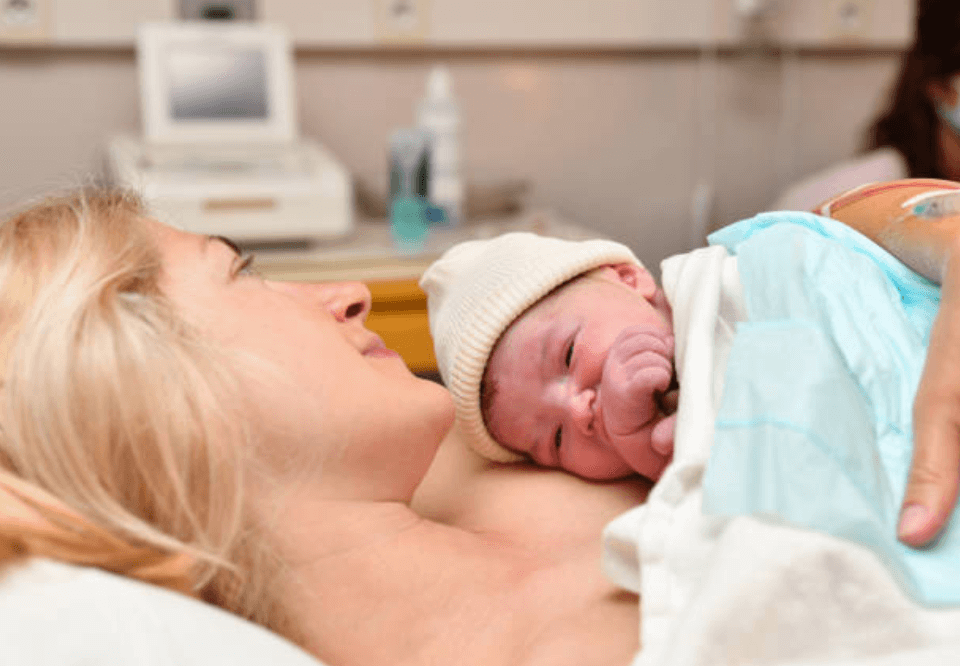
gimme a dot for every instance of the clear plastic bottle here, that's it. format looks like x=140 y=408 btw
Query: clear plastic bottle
x=439 y=114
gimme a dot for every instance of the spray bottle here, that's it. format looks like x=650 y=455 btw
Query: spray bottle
x=439 y=114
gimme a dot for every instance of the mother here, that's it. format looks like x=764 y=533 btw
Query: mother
x=168 y=415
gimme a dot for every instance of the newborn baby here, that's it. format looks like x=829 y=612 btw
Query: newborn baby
x=556 y=351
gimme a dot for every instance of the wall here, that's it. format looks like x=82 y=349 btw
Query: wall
x=608 y=139
x=624 y=125
x=498 y=23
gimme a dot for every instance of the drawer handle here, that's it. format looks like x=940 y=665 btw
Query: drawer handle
x=225 y=205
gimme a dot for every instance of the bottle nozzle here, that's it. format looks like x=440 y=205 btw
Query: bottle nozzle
x=439 y=84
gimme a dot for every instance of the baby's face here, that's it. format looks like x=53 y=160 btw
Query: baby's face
x=581 y=380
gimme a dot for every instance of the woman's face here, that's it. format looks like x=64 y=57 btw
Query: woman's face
x=351 y=416
x=945 y=96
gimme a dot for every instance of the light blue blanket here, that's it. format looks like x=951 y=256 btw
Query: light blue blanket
x=815 y=424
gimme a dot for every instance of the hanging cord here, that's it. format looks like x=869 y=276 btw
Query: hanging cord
x=787 y=129
x=705 y=152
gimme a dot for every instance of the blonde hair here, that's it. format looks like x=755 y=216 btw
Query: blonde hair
x=118 y=446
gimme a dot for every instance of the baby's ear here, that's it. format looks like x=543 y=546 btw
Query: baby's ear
x=636 y=277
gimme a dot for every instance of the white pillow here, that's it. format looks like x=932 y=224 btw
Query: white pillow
x=54 y=614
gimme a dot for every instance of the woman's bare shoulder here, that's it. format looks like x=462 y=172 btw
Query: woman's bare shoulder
x=522 y=502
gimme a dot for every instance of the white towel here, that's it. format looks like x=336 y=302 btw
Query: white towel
x=717 y=591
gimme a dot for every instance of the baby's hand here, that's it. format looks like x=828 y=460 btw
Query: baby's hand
x=638 y=368
x=636 y=374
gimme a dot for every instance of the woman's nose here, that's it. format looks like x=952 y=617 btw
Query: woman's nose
x=347 y=301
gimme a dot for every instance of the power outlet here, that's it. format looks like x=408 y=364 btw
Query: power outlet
x=402 y=21
x=754 y=9
x=24 y=21
x=218 y=10
x=848 y=20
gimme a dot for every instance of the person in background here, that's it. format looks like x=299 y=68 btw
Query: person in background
x=918 y=135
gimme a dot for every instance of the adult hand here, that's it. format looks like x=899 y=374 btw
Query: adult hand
x=935 y=470
x=931 y=247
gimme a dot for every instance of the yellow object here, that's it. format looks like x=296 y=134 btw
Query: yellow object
x=398 y=313
x=399 y=316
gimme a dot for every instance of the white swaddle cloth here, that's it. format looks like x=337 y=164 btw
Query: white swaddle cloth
x=739 y=589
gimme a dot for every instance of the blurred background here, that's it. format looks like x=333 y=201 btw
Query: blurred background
x=651 y=121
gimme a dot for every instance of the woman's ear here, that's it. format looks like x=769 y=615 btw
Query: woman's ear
x=633 y=276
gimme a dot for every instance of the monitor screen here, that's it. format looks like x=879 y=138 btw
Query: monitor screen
x=214 y=84
x=217 y=84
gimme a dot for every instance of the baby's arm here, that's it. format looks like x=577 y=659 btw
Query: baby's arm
x=930 y=246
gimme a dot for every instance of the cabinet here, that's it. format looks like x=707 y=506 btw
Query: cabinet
x=399 y=316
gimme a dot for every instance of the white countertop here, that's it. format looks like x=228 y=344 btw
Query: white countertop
x=369 y=253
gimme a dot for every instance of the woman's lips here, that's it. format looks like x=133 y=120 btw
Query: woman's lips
x=378 y=349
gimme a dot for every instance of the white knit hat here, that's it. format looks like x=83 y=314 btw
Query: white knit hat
x=477 y=288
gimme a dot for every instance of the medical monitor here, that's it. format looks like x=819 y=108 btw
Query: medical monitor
x=209 y=82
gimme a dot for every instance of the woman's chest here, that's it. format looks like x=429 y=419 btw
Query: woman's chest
x=525 y=505
x=568 y=614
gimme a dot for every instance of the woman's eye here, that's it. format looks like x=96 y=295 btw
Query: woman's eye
x=557 y=438
x=568 y=359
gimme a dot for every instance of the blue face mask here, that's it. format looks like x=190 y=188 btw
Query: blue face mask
x=950 y=113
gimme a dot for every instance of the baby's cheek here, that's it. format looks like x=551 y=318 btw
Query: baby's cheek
x=597 y=463
x=510 y=422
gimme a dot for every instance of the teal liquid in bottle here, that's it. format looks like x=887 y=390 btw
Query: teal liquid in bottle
x=408 y=223
x=409 y=152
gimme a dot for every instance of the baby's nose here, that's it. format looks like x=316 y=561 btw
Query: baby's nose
x=580 y=408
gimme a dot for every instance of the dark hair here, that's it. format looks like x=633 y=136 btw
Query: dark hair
x=910 y=123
